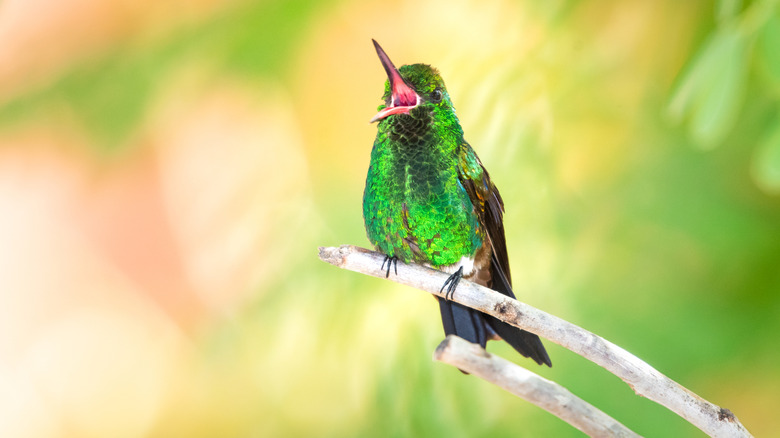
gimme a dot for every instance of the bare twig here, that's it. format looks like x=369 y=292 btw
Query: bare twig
x=644 y=379
x=527 y=385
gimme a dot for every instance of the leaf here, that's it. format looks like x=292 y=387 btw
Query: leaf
x=769 y=51
x=689 y=88
x=711 y=90
x=766 y=162
x=723 y=88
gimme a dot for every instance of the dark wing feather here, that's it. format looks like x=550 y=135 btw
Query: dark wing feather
x=490 y=210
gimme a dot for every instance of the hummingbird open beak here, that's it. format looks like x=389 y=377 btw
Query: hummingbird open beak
x=403 y=98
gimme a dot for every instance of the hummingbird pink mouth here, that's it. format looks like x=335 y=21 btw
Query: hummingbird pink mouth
x=404 y=98
x=393 y=109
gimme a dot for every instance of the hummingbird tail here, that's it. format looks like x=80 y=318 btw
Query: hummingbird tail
x=469 y=324
x=462 y=321
x=527 y=344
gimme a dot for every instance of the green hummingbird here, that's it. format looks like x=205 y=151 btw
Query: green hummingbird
x=429 y=200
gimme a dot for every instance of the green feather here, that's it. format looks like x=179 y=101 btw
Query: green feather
x=414 y=205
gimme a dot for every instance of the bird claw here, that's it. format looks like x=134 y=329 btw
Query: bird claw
x=390 y=261
x=452 y=283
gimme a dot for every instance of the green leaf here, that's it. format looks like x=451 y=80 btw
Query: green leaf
x=723 y=88
x=766 y=162
x=769 y=51
x=690 y=88
x=711 y=91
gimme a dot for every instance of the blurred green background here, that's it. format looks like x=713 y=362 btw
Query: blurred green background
x=168 y=170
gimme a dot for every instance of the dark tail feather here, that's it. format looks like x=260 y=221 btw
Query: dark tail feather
x=470 y=325
x=527 y=344
x=463 y=322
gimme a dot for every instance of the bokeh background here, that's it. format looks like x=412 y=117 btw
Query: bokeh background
x=168 y=170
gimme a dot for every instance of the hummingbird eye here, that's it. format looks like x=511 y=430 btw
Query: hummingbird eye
x=436 y=96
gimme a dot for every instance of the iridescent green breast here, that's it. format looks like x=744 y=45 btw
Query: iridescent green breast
x=414 y=205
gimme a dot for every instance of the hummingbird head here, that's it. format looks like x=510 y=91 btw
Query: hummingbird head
x=410 y=87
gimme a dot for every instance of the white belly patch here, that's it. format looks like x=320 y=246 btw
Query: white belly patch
x=466 y=262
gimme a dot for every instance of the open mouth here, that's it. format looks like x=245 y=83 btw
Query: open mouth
x=397 y=107
x=404 y=98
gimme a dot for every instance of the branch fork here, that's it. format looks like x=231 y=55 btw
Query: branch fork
x=640 y=376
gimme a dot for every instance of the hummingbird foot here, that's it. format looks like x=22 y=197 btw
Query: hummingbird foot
x=452 y=283
x=391 y=261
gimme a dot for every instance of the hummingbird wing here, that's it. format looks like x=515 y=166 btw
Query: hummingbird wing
x=489 y=208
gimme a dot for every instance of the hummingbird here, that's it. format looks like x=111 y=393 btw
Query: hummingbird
x=429 y=200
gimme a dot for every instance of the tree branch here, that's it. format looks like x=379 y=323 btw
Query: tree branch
x=641 y=377
x=529 y=386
